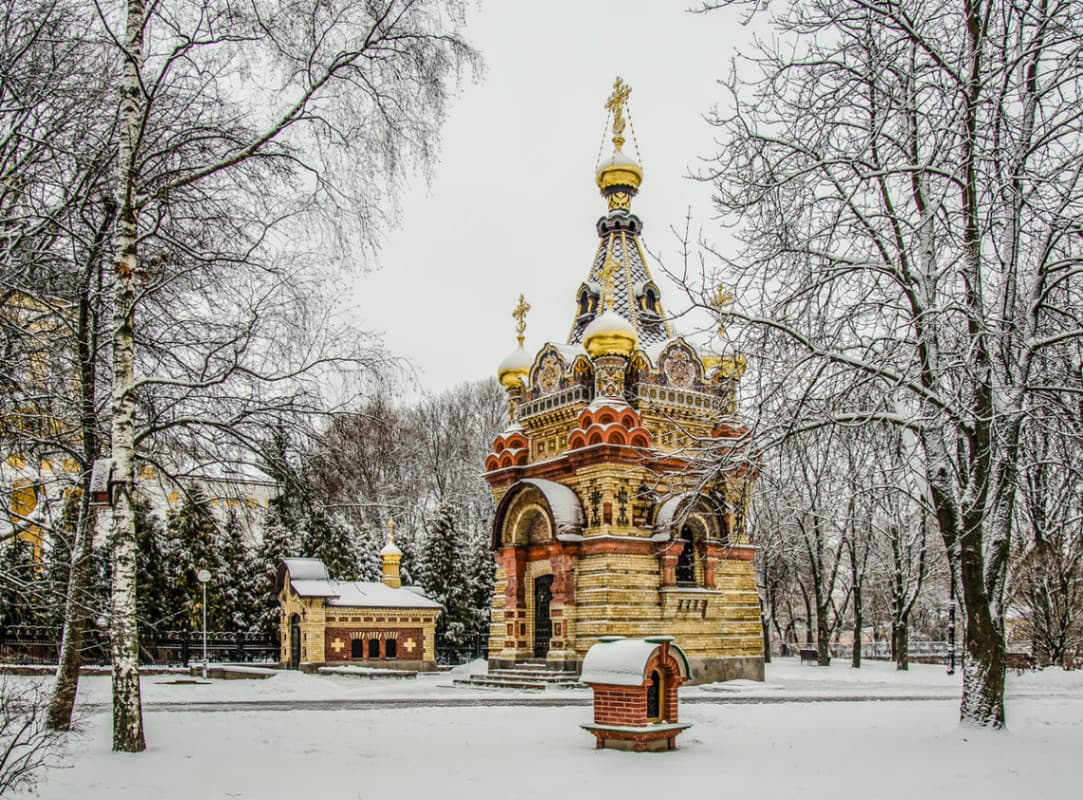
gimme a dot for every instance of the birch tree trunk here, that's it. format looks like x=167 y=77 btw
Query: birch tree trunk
x=127 y=705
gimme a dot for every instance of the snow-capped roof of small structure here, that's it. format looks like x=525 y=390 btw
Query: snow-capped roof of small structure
x=306 y=569
x=308 y=577
x=623 y=662
x=390 y=549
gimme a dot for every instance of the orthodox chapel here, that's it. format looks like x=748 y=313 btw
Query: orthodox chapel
x=621 y=482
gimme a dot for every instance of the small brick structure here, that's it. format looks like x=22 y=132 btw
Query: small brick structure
x=635 y=684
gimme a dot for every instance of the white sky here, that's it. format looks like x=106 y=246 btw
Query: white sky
x=513 y=203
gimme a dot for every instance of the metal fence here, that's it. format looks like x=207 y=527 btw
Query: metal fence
x=462 y=649
x=34 y=644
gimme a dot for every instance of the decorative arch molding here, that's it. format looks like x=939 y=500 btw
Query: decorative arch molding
x=704 y=512
x=557 y=504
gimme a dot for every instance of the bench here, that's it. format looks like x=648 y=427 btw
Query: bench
x=809 y=655
x=1020 y=662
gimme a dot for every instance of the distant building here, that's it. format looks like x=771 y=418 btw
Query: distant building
x=365 y=623
x=613 y=516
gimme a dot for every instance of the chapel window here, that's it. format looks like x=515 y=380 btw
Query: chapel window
x=357 y=648
x=374 y=648
x=391 y=649
x=686 y=560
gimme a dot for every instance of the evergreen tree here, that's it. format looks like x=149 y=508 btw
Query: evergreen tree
x=327 y=539
x=20 y=586
x=241 y=587
x=481 y=573
x=443 y=576
x=154 y=607
x=193 y=545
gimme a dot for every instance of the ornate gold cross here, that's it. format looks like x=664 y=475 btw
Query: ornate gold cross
x=520 y=316
x=722 y=298
x=615 y=104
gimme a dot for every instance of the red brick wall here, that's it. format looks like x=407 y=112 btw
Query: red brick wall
x=620 y=705
x=344 y=635
x=627 y=705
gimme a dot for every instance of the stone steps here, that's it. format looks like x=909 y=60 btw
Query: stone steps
x=524 y=675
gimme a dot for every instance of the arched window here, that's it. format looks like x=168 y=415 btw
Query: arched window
x=686 y=560
x=655 y=693
x=357 y=648
x=391 y=649
x=374 y=648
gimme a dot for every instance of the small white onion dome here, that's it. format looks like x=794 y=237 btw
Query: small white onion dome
x=391 y=549
x=620 y=170
x=610 y=334
x=514 y=368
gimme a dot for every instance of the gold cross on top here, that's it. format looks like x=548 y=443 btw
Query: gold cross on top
x=519 y=313
x=615 y=104
x=722 y=297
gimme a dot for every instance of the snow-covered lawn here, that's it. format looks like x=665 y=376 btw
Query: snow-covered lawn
x=783 y=747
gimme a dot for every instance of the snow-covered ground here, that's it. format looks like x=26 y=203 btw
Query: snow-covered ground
x=340 y=736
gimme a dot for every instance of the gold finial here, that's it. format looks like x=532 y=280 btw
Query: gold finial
x=615 y=104
x=390 y=530
x=520 y=316
x=606 y=274
x=722 y=298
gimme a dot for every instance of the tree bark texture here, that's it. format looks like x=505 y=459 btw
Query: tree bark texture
x=128 y=733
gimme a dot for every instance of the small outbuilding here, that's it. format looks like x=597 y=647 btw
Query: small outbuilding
x=367 y=623
x=635 y=683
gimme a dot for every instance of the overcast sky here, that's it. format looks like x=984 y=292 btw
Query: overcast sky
x=513 y=202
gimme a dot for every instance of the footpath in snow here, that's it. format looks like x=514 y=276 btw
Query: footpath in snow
x=302 y=736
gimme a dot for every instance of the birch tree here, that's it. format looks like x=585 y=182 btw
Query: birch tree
x=282 y=109
x=906 y=179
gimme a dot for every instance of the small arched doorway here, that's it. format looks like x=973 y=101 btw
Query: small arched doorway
x=655 y=693
x=543 y=622
x=295 y=642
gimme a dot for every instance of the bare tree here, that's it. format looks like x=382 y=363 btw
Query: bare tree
x=27 y=745
x=907 y=179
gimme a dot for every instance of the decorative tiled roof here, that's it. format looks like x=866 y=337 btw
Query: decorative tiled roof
x=619 y=231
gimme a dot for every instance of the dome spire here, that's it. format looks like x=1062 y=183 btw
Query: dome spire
x=620 y=176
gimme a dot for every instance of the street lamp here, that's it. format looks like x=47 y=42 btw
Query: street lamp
x=203 y=576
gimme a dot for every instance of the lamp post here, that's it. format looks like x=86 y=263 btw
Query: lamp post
x=951 y=628
x=203 y=576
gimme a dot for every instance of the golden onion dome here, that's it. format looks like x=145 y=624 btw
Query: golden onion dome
x=621 y=170
x=610 y=334
x=514 y=368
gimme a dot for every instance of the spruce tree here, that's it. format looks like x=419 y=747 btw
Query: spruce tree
x=443 y=576
x=327 y=539
x=193 y=537
x=154 y=609
x=241 y=586
x=20 y=584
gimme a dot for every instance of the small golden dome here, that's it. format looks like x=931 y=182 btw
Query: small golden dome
x=619 y=170
x=514 y=368
x=610 y=334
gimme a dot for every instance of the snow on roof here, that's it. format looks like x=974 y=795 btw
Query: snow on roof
x=306 y=569
x=362 y=594
x=563 y=502
x=667 y=512
x=370 y=594
x=623 y=662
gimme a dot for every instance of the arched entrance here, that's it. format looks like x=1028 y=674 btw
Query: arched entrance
x=295 y=642
x=543 y=621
